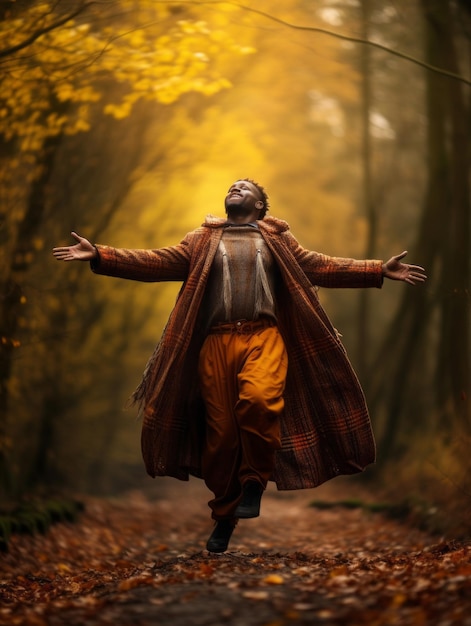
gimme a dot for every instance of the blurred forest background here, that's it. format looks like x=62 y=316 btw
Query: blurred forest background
x=127 y=120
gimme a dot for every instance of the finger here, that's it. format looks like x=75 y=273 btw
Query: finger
x=76 y=236
x=401 y=256
x=61 y=256
x=413 y=279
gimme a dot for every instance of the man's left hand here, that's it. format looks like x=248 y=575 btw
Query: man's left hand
x=396 y=270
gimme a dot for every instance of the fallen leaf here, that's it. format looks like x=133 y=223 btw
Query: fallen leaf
x=273 y=579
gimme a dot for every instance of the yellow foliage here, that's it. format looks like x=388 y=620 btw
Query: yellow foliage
x=49 y=83
x=79 y=126
x=118 y=111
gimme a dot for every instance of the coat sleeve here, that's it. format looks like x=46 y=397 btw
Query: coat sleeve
x=162 y=264
x=329 y=271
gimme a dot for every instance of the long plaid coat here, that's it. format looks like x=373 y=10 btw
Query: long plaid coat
x=326 y=429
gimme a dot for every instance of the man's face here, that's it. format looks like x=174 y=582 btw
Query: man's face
x=243 y=195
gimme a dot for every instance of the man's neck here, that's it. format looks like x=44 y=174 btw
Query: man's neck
x=240 y=219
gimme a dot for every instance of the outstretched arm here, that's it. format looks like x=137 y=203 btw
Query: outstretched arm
x=161 y=264
x=395 y=270
x=81 y=251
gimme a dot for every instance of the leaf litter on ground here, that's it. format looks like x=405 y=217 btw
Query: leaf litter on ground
x=140 y=559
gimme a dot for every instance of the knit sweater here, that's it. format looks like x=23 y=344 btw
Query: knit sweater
x=242 y=281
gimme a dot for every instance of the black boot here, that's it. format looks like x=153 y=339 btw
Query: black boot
x=219 y=539
x=249 y=506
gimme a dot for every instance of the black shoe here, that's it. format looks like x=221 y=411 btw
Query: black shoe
x=219 y=539
x=249 y=506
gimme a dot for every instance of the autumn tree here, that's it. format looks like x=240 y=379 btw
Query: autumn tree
x=442 y=317
x=58 y=63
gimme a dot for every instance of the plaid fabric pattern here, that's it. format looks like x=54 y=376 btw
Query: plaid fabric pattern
x=326 y=429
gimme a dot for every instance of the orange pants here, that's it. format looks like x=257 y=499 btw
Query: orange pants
x=242 y=377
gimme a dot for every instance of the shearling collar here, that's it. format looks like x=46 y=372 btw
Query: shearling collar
x=270 y=224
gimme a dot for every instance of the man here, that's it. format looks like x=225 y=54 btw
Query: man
x=250 y=381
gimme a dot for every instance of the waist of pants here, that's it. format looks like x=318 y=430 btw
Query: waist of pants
x=243 y=327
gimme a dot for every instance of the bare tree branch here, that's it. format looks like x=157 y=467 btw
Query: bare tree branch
x=331 y=33
x=5 y=52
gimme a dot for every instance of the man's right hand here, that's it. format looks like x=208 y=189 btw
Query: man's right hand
x=81 y=251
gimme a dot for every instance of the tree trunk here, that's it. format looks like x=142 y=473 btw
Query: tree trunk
x=370 y=210
x=443 y=247
x=21 y=259
x=455 y=367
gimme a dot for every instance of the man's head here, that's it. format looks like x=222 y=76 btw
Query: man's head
x=245 y=196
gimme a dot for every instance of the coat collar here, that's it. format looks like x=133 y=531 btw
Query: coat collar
x=269 y=224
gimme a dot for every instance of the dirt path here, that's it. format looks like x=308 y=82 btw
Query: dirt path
x=139 y=562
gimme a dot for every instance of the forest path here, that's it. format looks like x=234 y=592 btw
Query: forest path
x=140 y=560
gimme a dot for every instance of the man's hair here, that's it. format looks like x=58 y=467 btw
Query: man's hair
x=263 y=193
